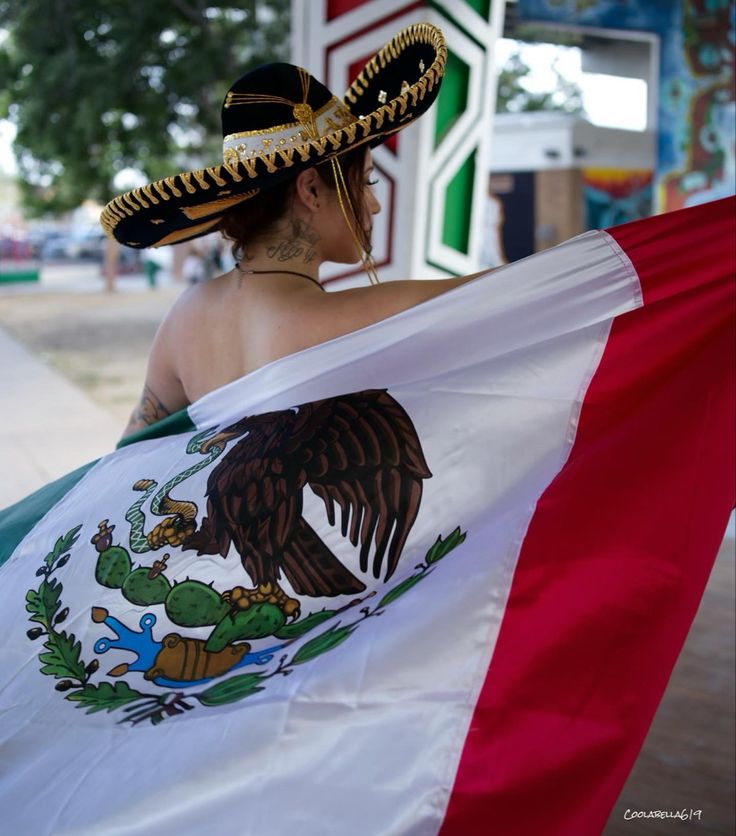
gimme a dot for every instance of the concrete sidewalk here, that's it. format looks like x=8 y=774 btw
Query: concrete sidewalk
x=48 y=426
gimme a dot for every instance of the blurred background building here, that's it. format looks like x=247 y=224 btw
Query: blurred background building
x=497 y=172
x=637 y=117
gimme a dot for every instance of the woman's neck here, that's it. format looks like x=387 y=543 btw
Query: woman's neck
x=281 y=271
x=294 y=247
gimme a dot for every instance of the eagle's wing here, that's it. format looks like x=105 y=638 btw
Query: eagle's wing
x=361 y=452
x=254 y=501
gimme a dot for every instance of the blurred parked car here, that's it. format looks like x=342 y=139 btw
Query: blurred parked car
x=53 y=246
x=85 y=244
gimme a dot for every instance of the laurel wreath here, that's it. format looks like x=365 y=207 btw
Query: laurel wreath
x=62 y=655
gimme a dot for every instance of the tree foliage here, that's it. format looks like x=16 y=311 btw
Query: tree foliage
x=512 y=96
x=97 y=86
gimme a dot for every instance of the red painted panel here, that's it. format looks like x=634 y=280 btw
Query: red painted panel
x=335 y=8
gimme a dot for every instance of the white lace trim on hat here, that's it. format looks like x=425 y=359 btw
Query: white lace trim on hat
x=249 y=144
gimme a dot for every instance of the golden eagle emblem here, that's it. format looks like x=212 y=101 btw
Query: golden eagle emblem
x=359 y=452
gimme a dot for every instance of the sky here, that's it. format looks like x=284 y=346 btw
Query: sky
x=609 y=101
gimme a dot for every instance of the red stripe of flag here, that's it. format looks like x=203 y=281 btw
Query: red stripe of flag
x=618 y=552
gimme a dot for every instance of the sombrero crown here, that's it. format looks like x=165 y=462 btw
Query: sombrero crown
x=278 y=120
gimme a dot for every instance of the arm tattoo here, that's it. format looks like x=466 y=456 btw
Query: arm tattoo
x=149 y=408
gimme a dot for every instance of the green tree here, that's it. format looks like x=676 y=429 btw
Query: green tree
x=513 y=97
x=96 y=86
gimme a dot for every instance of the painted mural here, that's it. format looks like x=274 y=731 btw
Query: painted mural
x=702 y=95
x=696 y=142
x=615 y=196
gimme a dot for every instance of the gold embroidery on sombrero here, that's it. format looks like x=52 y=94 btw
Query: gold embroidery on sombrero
x=107 y=222
x=421 y=32
x=306 y=117
x=320 y=145
x=120 y=204
x=189 y=232
x=287 y=155
x=138 y=195
x=270 y=162
x=159 y=186
x=185 y=178
x=170 y=183
x=149 y=194
x=250 y=167
x=199 y=177
x=216 y=206
x=255 y=98
x=304 y=152
x=340 y=111
x=330 y=118
x=232 y=169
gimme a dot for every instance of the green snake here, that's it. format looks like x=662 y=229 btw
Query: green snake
x=184 y=512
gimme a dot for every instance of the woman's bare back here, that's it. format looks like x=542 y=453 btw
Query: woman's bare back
x=221 y=330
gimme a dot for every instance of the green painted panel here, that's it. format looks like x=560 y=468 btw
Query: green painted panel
x=483 y=7
x=450 y=11
x=458 y=207
x=453 y=97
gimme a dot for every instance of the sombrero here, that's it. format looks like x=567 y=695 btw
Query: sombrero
x=278 y=120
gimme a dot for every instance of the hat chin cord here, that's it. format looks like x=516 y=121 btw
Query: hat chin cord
x=343 y=197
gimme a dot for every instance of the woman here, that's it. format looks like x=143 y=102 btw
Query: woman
x=459 y=512
x=272 y=304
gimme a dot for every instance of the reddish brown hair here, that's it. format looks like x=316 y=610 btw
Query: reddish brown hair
x=253 y=218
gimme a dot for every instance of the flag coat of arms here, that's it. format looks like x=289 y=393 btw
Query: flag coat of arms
x=428 y=577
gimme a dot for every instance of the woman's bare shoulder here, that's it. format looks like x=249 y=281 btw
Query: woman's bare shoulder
x=349 y=310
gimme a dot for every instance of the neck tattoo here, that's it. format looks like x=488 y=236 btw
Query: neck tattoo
x=289 y=272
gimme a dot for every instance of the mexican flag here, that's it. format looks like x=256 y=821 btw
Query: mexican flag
x=428 y=577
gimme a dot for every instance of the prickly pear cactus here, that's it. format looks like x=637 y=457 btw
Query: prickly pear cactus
x=113 y=566
x=257 y=622
x=194 y=604
x=144 y=591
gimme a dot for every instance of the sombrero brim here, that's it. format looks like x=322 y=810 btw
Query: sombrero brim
x=381 y=100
